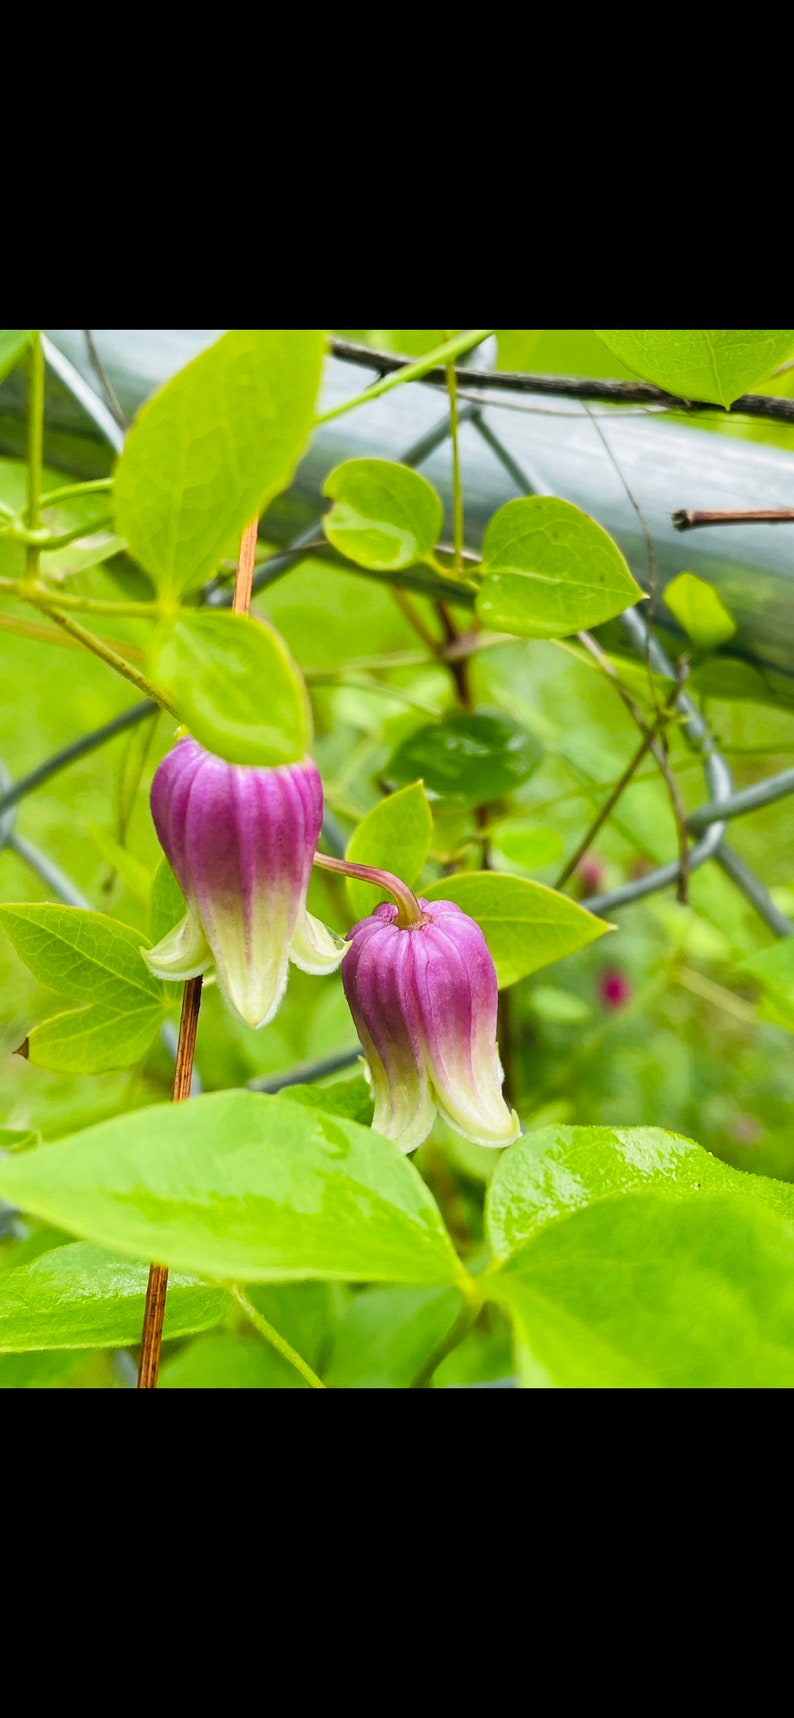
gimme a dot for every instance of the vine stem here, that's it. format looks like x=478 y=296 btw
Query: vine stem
x=157 y=1289
x=35 y=448
x=272 y=1336
x=43 y=597
x=409 y=911
x=457 y=487
x=103 y=650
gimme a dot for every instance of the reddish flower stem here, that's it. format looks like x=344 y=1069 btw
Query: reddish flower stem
x=409 y=911
x=154 y=1314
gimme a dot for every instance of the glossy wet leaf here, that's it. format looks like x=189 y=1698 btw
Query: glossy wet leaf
x=242 y=1186
x=233 y=683
x=384 y=515
x=468 y=759
x=213 y=447
x=394 y=836
x=716 y=364
x=643 y=1291
x=700 y=611
x=81 y=1296
x=549 y=570
x=526 y=925
x=553 y=1171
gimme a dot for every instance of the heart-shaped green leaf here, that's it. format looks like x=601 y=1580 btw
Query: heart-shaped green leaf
x=233 y=683
x=468 y=759
x=642 y=1291
x=212 y=449
x=384 y=515
x=549 y=570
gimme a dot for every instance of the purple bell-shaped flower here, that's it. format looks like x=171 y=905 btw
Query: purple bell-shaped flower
x=421 y=987
x=240 y=841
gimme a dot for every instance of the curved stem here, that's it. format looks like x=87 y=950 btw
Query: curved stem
x=409 y=913
x=272 y=1336
x=467 y=1316
x=157 y=1289
x=100 y=648
x=95 y=486
x=400 y=371
x=42 y=597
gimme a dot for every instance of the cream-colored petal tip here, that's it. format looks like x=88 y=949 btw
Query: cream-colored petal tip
x=315 y=948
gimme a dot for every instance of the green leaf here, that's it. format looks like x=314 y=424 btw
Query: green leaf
x=384 y=515
x=394 y=836
x=95 y=1039
x=774 y=970
x=303 y=1313
x=386 y=1335
x=13 y=342
x=234 y=684
x=526 y=925
x=468 y=759
x=83 y=1297
x=46 y=1370
x=550 y=1002
x=97 y=961
x=226 y=1362
x=528 y=844
x=242 y=1186
x=644 y=1291
x=82 y=954
x=553 y=1171
x=550 y=570
x=698 y=609
x=18 y=1138
x=211 y=450
x=167 y=903
x=715 y=364
x=351 y=1098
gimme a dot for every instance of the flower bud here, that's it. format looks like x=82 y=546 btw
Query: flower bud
x=424 y=1000
x=240 y=841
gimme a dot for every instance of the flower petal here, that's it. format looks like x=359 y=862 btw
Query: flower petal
x=315 y=947
x=378 y=979
x=182 y=953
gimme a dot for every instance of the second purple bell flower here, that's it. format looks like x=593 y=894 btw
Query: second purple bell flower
x=424 y=999
x=240 y=841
